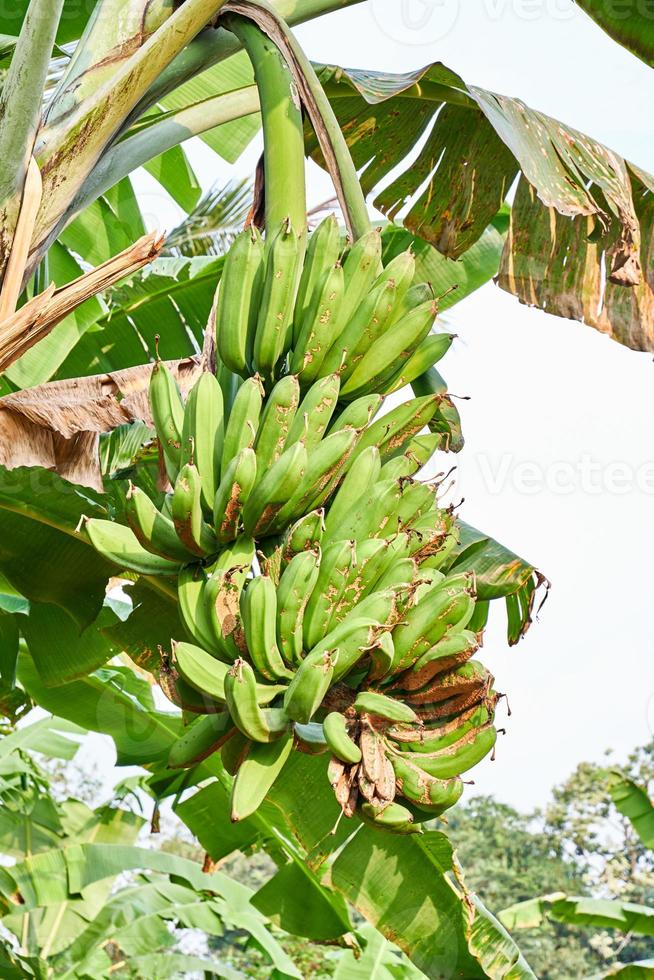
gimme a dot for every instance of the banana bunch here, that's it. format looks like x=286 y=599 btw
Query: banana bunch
x=326 y=315
x=311 y=561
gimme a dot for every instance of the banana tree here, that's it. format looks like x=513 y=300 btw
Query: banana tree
x=633 y=803
x=129 y=96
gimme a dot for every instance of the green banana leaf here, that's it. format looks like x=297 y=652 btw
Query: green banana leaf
x=171 y=299
x=477 y=143
x=638 y=970
x=379 y=958
x=104 y=702
x=633 y=802
x=41 y=554
x=580 y=911
x=73 y=19
x=630 y=24
x=499 y=574
x=451 y=281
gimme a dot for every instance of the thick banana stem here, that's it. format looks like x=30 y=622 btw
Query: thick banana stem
x=283 y=134
x=330 y=137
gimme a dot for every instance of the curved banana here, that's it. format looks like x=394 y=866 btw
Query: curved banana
x=295 y=588
x=259 y=614
x=273 y=332
x=188 y=518
x=380 y=705
x=336 y=731
x=167 y=410
x=256 y=723
x=276 y=421
x=315 y=412
x=119 y=545
x=238 y=304
x=153 y=530
x=241 y=429
x=309 y=686
x=232 y=495
x=202 y=738
x=203 y=434
x=323 y=251
x=319 y=326
x=274 y=489
x=257 y=774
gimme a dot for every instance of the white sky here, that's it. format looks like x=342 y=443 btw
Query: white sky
x=545 y=393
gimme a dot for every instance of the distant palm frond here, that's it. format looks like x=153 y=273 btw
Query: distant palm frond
x=214 y=223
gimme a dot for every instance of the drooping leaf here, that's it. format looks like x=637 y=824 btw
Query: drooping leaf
x=102 y=702
x=174 y=172
x=633 y=802
x=579 y=911
x=476 y=143
x=379 y=959
x=296 y=902
x=630 y=24
x=40 y=552
x=60 y=651
x=499 y=573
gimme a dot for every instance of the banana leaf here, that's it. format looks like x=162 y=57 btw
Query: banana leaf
x=579 y=205
x=73 y=20
x=103 y=702
x=499 y=574
x=633 y=802
x=597 y=913
x=40 y=552
x=638 y=970
x=630 y=24
x=379 y=958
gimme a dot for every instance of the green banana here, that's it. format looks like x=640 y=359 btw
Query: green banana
x=259 y=614
x=235 y=488
x=393 y=432
x=447 y=731
x=275 y=488
x=309 y=686
x=230 y=383
x=310 y=738
x=202 y=738
x=336 y=562
x=234 y=752
x=241 y=429
x=274 y=324
x=202 y=438
x=323 y=251
x=183 y=696
x=257 y=774
x=358 y=414
x=119 y=545
x=304 y=535
x=315 y=412
x=256 y=723
x=237 y=308
x=401 y=270
x=423 y=790
x=153 y=530
x=207 y=675
x=459 y=757
x=428 y=352
x=426 y=623
x=451 y=650
x=374 y=703
x=295 y=588
x=360 y=270
x=416 y=455
x=392 y=818
x=222 y=596
x=369 y=556
x=360 y=477
x=467 y=676
x=191 y=597
x=382 y=656
x=322 y=475
x=167 y=410
x=381 y=360
x=416 y=295
x=351 y=639
x=335 y=728
x=276 y=420
x=319 y=326
x=368 y=323
x=188 y=517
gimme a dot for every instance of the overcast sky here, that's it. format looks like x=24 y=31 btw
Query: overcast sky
x=559 y=460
